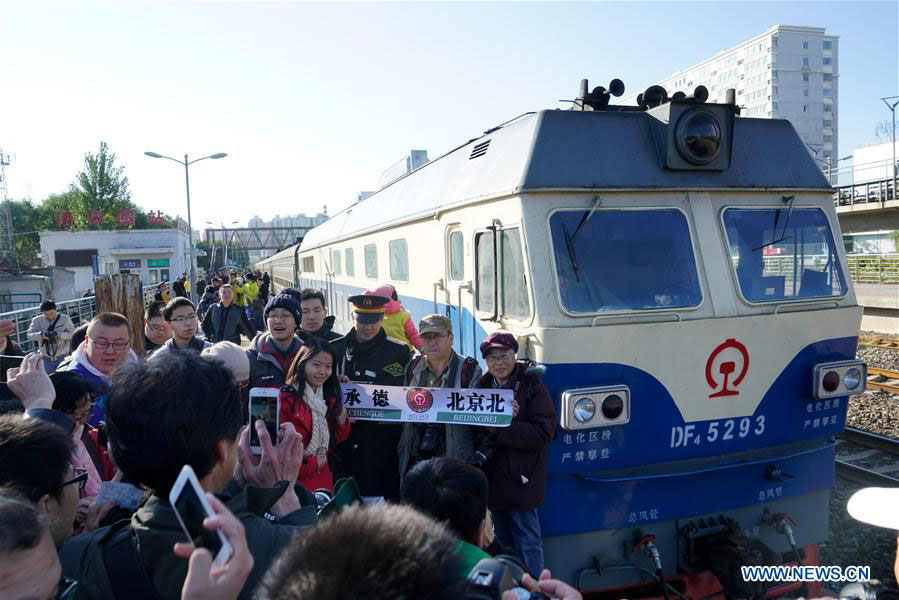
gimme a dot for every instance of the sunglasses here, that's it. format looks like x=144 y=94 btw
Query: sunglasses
x=80 y=478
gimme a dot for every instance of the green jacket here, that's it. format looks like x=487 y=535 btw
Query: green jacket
x=469 y=556
x=156 y=528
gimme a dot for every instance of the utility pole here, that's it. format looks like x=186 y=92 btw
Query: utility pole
x=7 y=237
x=892 y=108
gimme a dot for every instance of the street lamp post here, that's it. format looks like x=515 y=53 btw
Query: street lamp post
x=190 y=229
x=892 y=108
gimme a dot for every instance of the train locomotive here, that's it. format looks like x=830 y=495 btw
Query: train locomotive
x=680 y=272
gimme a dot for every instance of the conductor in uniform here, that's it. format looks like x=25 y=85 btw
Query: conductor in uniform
x=367 y=355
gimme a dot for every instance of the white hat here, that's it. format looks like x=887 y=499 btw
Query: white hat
x=234 y=357
x=875 y=506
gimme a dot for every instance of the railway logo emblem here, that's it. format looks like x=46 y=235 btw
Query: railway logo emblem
x=419 y=399
x=726 y=368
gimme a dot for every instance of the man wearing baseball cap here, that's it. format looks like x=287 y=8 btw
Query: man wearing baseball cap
x=438 y=366
x=368 y=355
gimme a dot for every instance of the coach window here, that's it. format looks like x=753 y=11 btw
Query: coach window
x=782 y=254
x=513 y=297
x=309 y=264
x=399 y=260
x=612 y=260
x=457 y=256
x=371 y=261
x=335 y=261
x=348 y=259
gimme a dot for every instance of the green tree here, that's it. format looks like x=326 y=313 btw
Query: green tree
x=102 y=186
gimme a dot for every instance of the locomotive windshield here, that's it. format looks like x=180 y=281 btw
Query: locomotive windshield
x=783 y=254
x=624 y=260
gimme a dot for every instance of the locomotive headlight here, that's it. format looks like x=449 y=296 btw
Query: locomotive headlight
x=852 y=378
x=698 y=136
x=831 y=381
x=839 y=378
x=584 y=409
x=595 y=407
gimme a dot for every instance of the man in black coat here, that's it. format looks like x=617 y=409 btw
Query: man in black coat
x=367 y=355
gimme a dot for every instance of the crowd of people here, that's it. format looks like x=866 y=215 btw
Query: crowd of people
x=93 y=438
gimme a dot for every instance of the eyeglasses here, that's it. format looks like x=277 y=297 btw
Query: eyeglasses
x=66 y=589
x=428 y=337
x=79 y=478
x=184 y=318
x=280 y=316
x=157 y=327
x=104 y=344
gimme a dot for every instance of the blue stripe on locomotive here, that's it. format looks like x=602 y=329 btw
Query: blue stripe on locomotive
x=598 y=493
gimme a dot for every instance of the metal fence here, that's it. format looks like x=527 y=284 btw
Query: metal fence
x=874 y=268
x=9 y=302
x=80 y=311
x=863 y=268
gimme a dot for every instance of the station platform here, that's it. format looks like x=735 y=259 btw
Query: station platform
x=881 y=304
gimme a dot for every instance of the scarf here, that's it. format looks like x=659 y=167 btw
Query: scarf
x=318 y=443
x=82 y=460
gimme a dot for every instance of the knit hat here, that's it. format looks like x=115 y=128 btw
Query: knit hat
x=286 y=302
x=233 y=356
x=293 y=293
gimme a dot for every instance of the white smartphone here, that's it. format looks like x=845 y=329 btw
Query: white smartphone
x=265 y=404
x=191 y=507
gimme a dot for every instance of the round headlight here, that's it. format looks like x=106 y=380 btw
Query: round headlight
x=831 y=381
x=852 y=378
x=612 y=406
x=584 y=409
x=698 y=137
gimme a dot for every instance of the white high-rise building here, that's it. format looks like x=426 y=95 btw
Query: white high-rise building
x=787 y=72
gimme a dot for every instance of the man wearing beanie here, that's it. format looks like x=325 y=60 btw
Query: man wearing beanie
x=271 y=352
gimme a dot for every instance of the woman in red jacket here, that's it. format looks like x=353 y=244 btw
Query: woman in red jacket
x=311 y=400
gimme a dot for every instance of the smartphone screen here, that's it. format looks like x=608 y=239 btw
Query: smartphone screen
x=264 y=407
x=192 y=513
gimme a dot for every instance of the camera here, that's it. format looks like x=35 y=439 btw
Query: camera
x=430 y=441
x=493 y=576
x=486 y=445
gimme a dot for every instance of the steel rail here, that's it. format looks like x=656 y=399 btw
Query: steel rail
x=861 y=475
x=892 y=388
x=870 y=439
x=875 y=342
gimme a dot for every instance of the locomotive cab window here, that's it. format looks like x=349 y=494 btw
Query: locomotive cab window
x=782 y=254
x=514 y=302
x=624 y=260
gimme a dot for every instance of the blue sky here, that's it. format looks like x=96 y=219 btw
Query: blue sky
x=313 y=100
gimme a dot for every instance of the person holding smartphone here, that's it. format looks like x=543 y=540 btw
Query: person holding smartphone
x=183 y=409
x=311 y=400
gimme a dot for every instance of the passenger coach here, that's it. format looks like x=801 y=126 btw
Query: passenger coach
x=677 y=268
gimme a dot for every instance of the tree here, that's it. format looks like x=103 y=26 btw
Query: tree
x=102 y=186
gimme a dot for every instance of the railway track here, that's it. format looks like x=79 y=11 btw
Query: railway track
x=878 y=342
x=867 y=459
x=883 y=379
